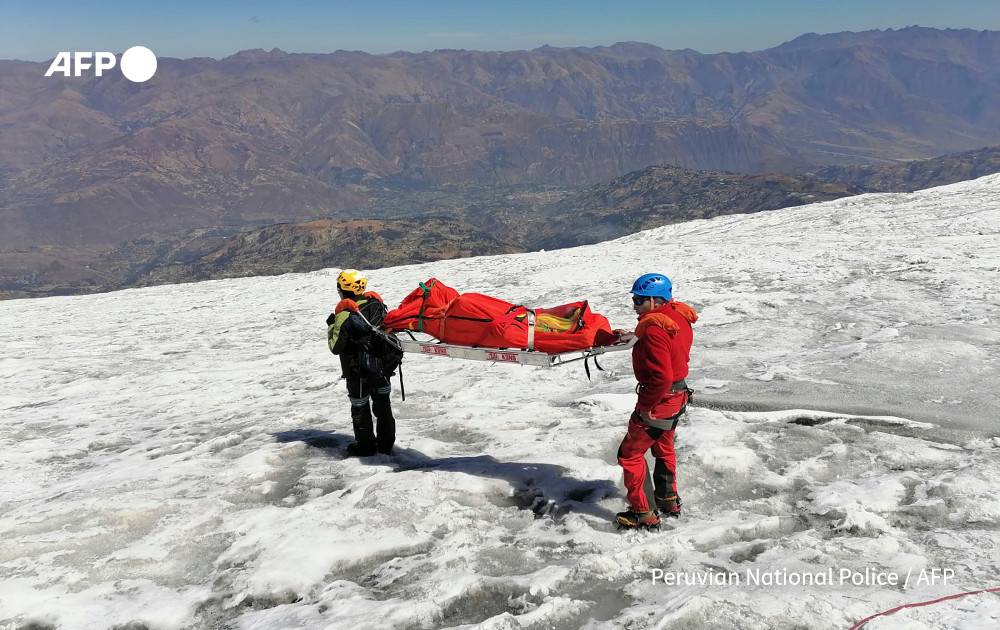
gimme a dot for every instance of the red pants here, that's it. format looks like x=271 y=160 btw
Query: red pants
x=632 y=457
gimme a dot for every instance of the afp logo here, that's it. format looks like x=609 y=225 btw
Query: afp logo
x=138 y=63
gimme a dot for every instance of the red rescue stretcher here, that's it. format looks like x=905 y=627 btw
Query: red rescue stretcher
x=482 y=328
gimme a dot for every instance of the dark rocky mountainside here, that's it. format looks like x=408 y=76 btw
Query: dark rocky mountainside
x=224 y=253
x=917 y=174
x=660 y=195
x=437 y=224
x=308 y=246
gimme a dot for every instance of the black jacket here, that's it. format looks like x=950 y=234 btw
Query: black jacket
x=345 y=329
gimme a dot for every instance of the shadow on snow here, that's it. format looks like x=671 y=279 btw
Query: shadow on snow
x=545 y=489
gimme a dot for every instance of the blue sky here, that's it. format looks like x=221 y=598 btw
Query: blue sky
x=184 y=28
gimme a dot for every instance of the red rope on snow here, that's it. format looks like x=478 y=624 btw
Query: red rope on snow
x=898 y=608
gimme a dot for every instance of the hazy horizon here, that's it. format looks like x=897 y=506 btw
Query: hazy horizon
x=185 y=29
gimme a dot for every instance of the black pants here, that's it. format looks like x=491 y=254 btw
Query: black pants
x=370 y=395
x=663 y=476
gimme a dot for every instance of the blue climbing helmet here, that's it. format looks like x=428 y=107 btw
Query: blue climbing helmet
x=653 y=285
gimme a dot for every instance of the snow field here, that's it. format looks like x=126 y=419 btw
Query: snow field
x=173 y=456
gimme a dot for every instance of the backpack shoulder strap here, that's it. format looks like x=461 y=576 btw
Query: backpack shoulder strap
x=373 y=310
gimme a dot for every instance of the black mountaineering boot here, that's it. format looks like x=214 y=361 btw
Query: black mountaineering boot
x=669 y=506
x=357 y=450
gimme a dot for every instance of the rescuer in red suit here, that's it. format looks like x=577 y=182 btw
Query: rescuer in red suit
x=660 y=362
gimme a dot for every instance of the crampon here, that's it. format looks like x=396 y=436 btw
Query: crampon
x=637 y=520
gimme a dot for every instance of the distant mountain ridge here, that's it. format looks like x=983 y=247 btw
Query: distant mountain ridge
x=917 y=174
x=265 y=137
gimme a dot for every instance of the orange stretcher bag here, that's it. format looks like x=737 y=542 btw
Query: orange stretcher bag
x=481 y=321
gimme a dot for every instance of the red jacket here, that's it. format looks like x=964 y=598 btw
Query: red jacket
x=660 y=357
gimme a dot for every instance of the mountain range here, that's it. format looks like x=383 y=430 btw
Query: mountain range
x=92 y=168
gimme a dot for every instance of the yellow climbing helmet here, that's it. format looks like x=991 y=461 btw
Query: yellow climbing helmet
x=351 y=281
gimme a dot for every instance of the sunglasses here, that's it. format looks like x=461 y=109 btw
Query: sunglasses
x=639 y=300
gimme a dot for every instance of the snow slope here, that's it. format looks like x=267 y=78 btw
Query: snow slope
x=172 y=456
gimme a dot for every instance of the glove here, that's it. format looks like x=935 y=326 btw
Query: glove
x=329 y=320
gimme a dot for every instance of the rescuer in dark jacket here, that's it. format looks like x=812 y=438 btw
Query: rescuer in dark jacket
x=368 y=393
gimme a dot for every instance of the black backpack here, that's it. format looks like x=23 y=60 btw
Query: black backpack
x=378 y=352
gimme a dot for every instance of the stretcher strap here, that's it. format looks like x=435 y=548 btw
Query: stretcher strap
x=423 y=305
x=579 y=317
x=531 y=329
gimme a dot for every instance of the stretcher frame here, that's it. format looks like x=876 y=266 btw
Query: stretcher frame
x=535 y=358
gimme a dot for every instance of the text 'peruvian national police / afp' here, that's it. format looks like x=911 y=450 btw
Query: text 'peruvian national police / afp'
x=784 y=577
